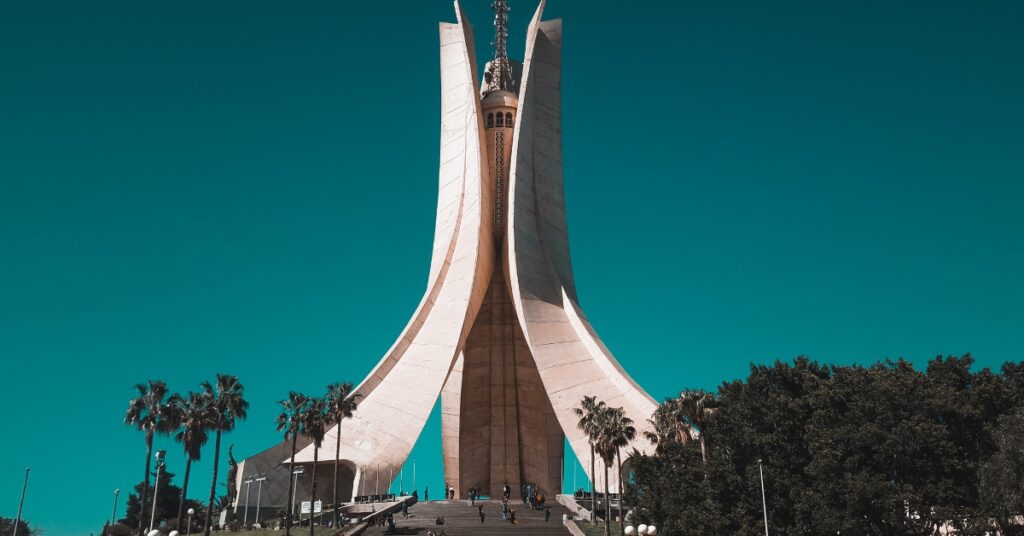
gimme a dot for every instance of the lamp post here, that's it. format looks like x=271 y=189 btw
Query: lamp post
x=295 y=484
x=245 y=517
x=259 y=493
x=156 y=486
x=21 y=503
x=113 y=513
x=764 y=502
x=191 y=512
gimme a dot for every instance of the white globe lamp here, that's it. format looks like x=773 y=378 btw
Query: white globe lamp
x=630 y=531
x=154 y=532
x=642 y=529
x=191 y=511
x=652 y=530
x=174 y=533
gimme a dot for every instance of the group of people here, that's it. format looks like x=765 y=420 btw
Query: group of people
x=387 y=520
x=533 y=497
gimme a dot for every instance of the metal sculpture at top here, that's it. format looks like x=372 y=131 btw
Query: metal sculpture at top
x=499 y=72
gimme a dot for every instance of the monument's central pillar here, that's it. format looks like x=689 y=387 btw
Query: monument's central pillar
x=507 y=429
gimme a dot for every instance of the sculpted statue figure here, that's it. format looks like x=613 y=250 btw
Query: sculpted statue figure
x=232 y=475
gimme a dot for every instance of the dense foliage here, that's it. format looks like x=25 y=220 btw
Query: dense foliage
x=166 y=502
x=880 y=450
x=7 y=528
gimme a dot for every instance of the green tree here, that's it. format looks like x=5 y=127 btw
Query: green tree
x=7 y=528
x=691 y=409
x=152 y=414
x=228 y=404
x=314 y=423
x=618 y=433
x=341 y=402
x=166 y=501
x=1002 y=475
x=290 y=422
x=196 y=417
x=589 y=413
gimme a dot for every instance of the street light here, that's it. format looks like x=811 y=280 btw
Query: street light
x=113 y=514
x=259 y=492
x=245 y=517
x=21 y=503
x=191 y=512
x=295 y=484
x=764 y=502
x=156 y=486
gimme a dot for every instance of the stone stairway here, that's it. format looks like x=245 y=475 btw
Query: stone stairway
x=461 y=519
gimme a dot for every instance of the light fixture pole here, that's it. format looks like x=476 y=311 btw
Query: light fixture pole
x=191 y=512
x=764 y=502
x=156 y=486
x=295 y=484
x=259 y=493
x=113 y=513
x=245 y=517
x=21 y=503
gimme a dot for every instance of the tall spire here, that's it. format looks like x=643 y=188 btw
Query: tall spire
x=498 y=70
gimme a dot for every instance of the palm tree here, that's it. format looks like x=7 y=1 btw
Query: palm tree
x=227 y=405
x=341 y=402
x=150 y=413
x=669 y=425
x=693 y=405
x=619 y=433
x=314 y=420
x=589 y=413
x=606 y=449
x=196 y=418
x=290 y=422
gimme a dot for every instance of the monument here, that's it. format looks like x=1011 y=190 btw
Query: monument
x=499 y=334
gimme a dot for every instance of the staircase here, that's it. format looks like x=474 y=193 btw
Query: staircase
x=461 y=519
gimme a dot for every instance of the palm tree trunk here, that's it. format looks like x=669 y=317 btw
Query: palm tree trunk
x=312 y=493
x=607 y=504
x=334 y=499
x=145 y=485
x=622 y=517
x=184 y=493
x=291 y=490
x=213 y=485
x=593 y=488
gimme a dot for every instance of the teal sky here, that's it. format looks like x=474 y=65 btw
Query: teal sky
x=196 y=187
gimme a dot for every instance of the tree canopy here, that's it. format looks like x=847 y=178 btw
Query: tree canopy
x=885 y=449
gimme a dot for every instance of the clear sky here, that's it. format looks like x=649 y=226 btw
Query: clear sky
x=192 y=187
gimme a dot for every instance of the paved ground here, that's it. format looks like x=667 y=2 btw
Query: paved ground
x=461 y=519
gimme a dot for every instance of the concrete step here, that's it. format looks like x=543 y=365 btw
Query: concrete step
x=461 y=519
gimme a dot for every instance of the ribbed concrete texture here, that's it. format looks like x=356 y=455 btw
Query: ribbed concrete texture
x=499 y=330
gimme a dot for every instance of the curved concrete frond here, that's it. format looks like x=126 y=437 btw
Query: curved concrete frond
x=398 y=396
x=572 y=360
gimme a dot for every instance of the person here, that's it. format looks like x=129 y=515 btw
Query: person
x=481 y=511
x=512 y=516
x=504 y=510
x=506 y=491
x=426 y=493
x=547 y=515
x=405 y=510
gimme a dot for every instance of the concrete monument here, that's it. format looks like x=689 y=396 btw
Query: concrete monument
x=499 y=334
